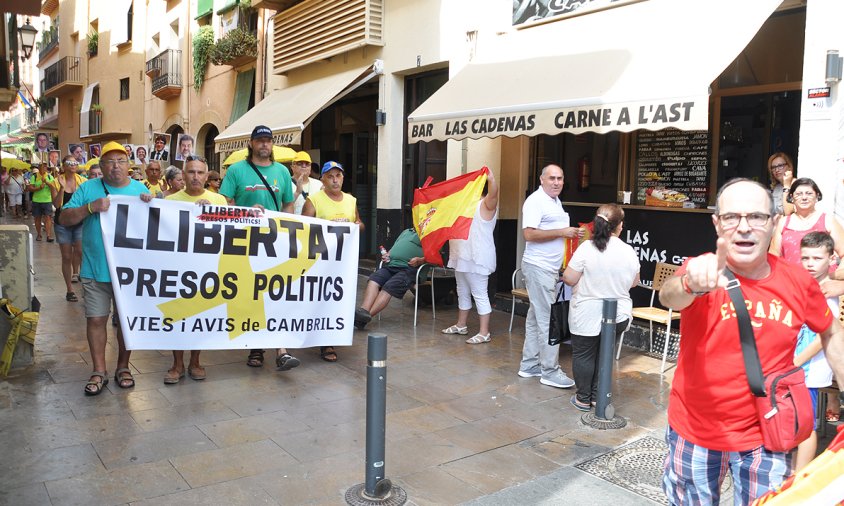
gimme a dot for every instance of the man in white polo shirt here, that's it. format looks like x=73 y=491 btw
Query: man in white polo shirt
x=545 y=226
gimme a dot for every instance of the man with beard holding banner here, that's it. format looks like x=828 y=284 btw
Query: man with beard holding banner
x=260 y=181
x=195 y=175
x=84 y=206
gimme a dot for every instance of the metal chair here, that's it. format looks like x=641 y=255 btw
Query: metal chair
x=518 y=292
x=416 y=291
x=653 y=314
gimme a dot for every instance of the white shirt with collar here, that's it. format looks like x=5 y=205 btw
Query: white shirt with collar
x=543 y=212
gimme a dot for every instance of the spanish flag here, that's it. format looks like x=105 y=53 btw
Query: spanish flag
x=445 y=210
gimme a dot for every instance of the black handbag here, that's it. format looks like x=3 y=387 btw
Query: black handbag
x=559 y=323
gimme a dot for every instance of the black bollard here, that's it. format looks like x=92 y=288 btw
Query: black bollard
x=376 y=489
x=604 y=416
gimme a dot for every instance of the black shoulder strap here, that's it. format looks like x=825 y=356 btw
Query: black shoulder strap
x=752 y=366
x=104 y=186
x=266 y=184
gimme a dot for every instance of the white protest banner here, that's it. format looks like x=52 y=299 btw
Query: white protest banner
x=190 y=277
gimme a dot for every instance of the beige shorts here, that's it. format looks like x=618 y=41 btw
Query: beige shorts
x=99 y=298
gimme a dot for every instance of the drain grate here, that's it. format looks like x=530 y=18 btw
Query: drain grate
x=637 y=467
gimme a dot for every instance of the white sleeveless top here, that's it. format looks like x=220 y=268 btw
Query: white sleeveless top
x=477 y=253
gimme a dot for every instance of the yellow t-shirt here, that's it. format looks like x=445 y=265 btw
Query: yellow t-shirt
x=214 y=198
x=327 y=209
x=155 y=189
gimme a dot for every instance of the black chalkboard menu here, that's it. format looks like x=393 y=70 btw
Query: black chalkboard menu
x=672 y=168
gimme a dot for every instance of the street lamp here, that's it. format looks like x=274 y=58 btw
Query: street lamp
x=27 y=34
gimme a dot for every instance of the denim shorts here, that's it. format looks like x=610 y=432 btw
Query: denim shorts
x=42 y=209
x=68 y=235
x=394 y=280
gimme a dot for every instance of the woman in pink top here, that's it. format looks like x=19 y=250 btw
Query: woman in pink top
x=805 y=195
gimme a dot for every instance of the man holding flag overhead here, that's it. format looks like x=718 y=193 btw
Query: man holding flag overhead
x=545 y=226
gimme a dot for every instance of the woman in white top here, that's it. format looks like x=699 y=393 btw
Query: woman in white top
x=473 y=260
x=604 y=267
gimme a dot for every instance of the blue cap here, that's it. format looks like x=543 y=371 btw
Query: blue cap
x=331 y=165
x=261 y=131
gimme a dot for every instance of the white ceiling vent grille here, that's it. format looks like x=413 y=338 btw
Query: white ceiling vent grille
x=318 y=29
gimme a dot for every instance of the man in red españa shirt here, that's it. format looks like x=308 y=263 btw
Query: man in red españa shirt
x=712 y=422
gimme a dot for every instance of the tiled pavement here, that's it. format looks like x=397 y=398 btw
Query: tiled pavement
x=461 y=425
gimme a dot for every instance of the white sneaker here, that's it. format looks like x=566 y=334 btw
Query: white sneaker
x=557 y=379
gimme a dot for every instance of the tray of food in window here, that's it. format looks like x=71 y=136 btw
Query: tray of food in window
x=661 y=197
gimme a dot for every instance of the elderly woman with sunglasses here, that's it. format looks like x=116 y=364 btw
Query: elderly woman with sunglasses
x=804 y=195
x=781 y=174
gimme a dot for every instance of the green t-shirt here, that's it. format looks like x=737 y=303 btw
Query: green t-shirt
x=246 y=189
x=407 y=246
x=42 y=196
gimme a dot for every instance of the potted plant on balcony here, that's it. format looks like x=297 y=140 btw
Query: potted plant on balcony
x=237 y=47
x=93 y=44
x=97 y=109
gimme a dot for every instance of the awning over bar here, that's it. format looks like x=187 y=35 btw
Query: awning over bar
x=288 y=111
x=647 y=65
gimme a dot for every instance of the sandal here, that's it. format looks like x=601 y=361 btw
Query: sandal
x=454 y=329
x=327 y=353
x=74 y=278
x=124 y=381
x=196 y=373
x=832 y=416
x=71 y=297
x=173 y=376
x=50 y=239
x=285 y=362
x=478 y=339
x=38 y=239
x=96 y=387
x=255 y=358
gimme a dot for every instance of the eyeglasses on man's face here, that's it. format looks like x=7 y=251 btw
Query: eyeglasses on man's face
x=732 y=220
x=114 y=163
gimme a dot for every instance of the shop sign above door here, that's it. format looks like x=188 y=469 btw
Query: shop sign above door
x=687 y=113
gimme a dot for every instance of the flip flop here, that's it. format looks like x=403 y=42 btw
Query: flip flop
x=71 y=297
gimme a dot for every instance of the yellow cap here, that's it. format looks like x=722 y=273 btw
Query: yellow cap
x=112 y=146
x=302 y=156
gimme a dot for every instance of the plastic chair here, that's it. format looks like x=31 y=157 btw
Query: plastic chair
x=653 y=314
x=518 y=292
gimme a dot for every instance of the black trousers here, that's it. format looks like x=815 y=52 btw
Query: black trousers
x=584 y=357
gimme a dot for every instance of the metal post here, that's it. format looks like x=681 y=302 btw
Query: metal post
x=605 y=360
x=376 y=489
x=376 y=410
x=604 y=416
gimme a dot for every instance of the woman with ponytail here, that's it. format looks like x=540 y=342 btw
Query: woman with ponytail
x=604 y=267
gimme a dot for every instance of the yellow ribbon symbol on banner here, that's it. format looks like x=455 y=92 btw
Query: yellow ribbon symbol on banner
x=242 y=303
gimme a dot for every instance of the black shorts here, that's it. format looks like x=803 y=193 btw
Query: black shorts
x=394 y=280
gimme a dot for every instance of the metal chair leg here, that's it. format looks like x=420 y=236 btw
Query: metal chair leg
x=620 y=343
x=512 y=313
x=665 y=348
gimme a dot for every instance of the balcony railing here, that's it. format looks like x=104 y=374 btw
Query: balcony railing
x=166 y=75
x=49 y=41
x=61 y=76
x=30 y=119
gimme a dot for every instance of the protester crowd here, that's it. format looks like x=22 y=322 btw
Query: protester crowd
x=779 y=247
